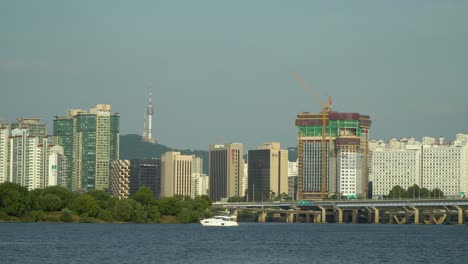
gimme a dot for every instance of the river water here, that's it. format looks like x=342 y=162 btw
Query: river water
x=248 y=243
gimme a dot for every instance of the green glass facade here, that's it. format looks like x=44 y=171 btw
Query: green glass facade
x=332 y=130
x=63 y=136
x=91 y=140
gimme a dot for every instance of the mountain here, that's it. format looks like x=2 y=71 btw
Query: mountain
x=132 y=147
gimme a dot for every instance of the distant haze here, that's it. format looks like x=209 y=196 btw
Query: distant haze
x=221 y=69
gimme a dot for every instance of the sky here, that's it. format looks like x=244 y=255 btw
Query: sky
x=220 y=70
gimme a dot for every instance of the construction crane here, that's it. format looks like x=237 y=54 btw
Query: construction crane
x=326 y=108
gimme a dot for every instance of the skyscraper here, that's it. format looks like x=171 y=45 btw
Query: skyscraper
x=346 y=138
x=268 y=172
x=176 y=174
x=35 y=126
x=91 y=142
x=120 y=182
x=428 y=164
x=4 y=135
x=146 y=173
x=226 y=169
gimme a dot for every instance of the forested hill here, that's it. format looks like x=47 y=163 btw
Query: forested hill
x=132 y=147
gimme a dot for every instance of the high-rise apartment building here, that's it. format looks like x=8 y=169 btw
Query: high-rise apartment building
x=91 y=142
x=292 y=179
x=346 y=138
x=34 y=126
x=225 y=165
x=176 y=174
x=430 y=164
x=27 y=159
x=268 y=172
x=200 y=180
x=200 y=184
x=4 y=135
x=57 y=167
x=146 y=173
x=23 y=159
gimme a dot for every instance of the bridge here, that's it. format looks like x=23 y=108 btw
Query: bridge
x=417 y=211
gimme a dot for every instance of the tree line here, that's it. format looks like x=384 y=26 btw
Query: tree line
x=414 y=192
x=57 y=204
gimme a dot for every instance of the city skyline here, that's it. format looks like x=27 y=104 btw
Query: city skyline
x=222 y=70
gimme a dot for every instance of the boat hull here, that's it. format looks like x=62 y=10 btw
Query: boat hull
x=216 y=222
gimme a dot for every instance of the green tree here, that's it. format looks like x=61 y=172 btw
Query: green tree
x=413 y=192
x=203 y=202
x=144 y=196
x=153 y=214
x=66 y=216
x=236 y=199
x=123 y=210
x=65 y=195
x=105 y=215
x=102 y=198
x=50 y=202
x=184 y=216
x=86 y=203
x=170 y=205
x=397 y=192
x=437 y=193
x=14 y=199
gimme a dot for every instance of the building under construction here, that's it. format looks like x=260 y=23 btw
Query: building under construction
x=332 y=154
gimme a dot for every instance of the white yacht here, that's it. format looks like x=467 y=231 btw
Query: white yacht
x=220 y=220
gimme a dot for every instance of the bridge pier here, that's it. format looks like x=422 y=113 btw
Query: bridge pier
x=290 y=218
x=307 y=218
x=340 y=215
x=262 y=217
x=317 y=218
x=369 y=215
x=460 y=215
x=416 y=215
x=354 y=216
x=324 y=214
x=376 y=217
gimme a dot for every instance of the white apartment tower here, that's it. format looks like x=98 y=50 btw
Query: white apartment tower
x=200 y=180
x=24 y=159
x=4 y=135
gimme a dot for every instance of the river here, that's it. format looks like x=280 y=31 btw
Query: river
x=248 y=243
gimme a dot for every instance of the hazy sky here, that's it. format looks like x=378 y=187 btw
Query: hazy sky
x=221 y=69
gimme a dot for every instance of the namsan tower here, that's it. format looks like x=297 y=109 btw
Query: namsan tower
x=147 y=136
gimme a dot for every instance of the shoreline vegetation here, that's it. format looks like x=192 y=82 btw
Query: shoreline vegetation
x=57 y=204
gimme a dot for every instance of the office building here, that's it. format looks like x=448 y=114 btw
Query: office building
x=90 y=140
x=268 y=172
x=120 y=182
x=429 y=164
x=225 y=165
x=34 y=126
x=146 y=173
x=176 y=174
x=344 y=137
